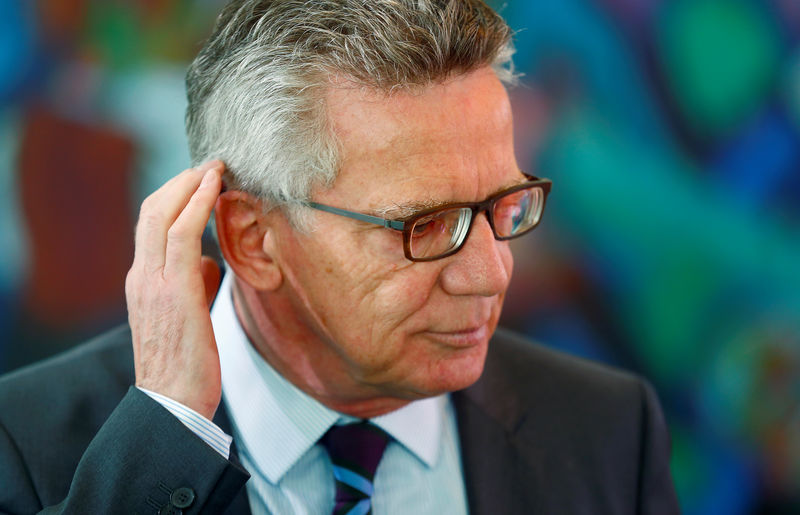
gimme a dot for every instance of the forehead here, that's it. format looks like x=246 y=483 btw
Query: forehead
x=448 y=142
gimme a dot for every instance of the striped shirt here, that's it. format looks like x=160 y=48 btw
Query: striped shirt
x=277 y=426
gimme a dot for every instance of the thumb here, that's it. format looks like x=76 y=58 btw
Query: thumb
x=211 y=277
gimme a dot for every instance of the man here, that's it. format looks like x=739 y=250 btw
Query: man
x=370 y=190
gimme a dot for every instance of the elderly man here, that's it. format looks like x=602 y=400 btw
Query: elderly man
x=351 y=361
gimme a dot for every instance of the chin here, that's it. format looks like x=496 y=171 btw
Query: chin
x=456 y=372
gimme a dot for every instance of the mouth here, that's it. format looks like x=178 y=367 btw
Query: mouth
x=462 y=338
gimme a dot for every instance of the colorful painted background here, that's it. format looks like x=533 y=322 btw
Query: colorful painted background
x=671 y=245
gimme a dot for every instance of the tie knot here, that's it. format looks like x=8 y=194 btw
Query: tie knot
x=356 y=447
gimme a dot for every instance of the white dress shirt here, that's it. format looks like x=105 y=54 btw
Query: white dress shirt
x=276 y=427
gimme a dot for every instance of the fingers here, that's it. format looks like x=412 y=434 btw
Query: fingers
x=160 y=210
x=183 y=247
x=168 y=289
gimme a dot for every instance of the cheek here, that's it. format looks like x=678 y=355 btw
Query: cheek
x=508 y=260
x=376 y=337
x=387 y=287
x=393 y=296
x=365 y=295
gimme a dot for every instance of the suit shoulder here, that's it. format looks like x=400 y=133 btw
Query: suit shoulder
x=580 y=433
x=99 y=368
x=526 y=362
x=522 y=377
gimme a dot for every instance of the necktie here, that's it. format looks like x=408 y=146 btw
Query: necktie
x=355 y=451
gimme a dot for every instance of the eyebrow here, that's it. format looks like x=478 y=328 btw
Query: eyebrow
x=401 y=211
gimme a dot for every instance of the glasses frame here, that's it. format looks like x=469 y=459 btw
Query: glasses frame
x=407 y=224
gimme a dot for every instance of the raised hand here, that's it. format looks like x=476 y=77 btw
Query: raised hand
x=169 y=288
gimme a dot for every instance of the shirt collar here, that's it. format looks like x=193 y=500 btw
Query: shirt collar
x=277 y=423
x=417 y=426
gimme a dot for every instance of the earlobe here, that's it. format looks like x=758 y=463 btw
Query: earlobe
x=244 y=231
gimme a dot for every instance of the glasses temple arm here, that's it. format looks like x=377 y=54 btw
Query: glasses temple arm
x=391 y=224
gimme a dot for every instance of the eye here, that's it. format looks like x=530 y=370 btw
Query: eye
x=424 y=227
x=508 y=211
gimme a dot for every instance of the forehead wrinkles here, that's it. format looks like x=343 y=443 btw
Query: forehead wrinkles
x=399 y=210
x=405 y=151
x=398 y=121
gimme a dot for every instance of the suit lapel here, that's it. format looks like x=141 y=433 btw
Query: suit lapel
x=241 y=503
x=500 y=473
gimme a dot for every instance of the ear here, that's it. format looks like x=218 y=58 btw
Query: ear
x=246 y=240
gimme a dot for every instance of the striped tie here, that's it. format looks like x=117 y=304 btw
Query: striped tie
x=355 y=452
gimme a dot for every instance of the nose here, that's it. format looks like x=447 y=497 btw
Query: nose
x=483 y=265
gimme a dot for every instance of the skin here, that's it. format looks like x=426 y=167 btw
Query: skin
x=339 y=311
x=169 y=288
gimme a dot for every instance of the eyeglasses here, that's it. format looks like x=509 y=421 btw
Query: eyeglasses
x=441 y=231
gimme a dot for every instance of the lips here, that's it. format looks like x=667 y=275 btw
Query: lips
x=462 y=337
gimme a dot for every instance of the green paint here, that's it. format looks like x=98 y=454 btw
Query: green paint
x=721 y=59
x=114 y=34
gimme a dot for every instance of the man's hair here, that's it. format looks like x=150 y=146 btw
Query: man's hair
x=256 y=90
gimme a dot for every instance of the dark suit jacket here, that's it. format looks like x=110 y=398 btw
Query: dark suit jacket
x=541 y=432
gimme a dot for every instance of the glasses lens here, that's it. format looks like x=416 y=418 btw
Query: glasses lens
x=440 y=232
x=518 y=212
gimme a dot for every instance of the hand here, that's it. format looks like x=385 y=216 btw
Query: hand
x=169 y=288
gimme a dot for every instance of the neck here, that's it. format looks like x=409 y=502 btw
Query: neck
x=293 y=351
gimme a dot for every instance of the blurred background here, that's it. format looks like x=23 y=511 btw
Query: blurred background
x=671 y=245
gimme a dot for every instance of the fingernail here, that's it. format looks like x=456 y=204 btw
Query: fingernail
x=207 y=177
x=208 y=165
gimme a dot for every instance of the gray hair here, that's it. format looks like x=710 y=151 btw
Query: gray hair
x=256 y=90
